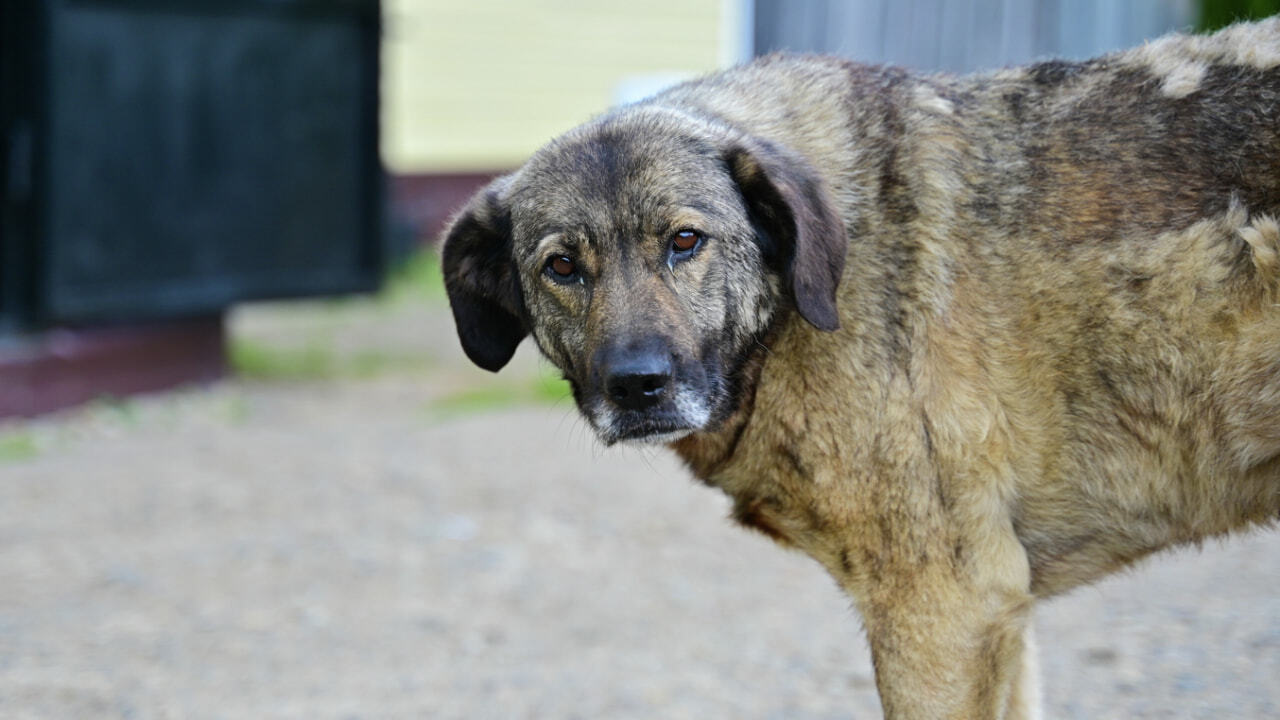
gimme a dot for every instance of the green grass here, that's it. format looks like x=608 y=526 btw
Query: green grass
x=417 y=278
x=551 y=389
x=415 y=281
x=17 y=446
x=1215 y=14
x=499 y=396
x=121 y=410
x=255 y=360
x=235 y=410
x=251 y=359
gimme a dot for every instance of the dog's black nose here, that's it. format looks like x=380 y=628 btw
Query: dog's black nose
x=637 y=381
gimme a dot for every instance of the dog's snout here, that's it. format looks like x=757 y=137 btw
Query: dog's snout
x=636 y=376
x=639 y=382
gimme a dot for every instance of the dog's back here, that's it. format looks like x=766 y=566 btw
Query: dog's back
x=1084 y=257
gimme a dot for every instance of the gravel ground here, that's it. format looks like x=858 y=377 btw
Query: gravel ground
x=336 y=548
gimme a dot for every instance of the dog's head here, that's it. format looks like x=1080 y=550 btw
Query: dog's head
x=647 y=252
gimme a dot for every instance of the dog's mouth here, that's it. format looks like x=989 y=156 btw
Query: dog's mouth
x=646 y=430
x=682 y=415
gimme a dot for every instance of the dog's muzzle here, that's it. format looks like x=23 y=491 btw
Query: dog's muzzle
x=643 y=393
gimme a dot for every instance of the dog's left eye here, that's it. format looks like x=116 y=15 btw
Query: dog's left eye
x=685 y=241
x=562 y=268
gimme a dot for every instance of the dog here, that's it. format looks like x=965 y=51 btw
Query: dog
x=969 y=342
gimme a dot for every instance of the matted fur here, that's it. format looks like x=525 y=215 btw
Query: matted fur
x=967 y=341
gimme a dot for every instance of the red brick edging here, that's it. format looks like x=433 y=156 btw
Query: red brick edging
x=61 y=368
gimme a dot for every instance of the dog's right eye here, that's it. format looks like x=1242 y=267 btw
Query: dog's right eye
x=562 y=268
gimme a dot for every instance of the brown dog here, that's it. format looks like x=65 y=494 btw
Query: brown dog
x=967 y=341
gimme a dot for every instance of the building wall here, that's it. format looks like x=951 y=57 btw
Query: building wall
x=477 y=85
x=964 y=35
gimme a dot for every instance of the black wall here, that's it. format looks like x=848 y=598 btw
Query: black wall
x=165 y=159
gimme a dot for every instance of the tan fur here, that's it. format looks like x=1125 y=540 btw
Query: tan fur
x=1059 y=341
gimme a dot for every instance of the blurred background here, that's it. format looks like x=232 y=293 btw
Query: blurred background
x=245 y=470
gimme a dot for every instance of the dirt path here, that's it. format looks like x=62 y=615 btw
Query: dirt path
x=340 y=548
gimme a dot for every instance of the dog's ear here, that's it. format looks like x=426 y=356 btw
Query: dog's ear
x=799 y=230
x=481 y=281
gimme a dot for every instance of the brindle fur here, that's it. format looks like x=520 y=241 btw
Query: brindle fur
x=967 y=341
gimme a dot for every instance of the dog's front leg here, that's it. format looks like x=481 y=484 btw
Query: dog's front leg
x=948 y=629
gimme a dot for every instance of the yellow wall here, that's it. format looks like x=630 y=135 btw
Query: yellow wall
x=479 y=84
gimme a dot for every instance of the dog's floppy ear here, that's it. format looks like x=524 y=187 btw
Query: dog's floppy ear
x=480 y=278
x=797 y=225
